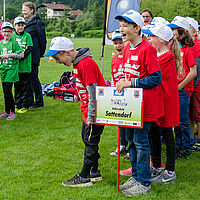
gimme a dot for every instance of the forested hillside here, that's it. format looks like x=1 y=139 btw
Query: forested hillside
x=90 y=22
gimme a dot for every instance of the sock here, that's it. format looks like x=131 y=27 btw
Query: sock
x=192 y=140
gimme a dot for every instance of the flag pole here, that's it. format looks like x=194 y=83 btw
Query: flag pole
x=104 y=35
x=4 y=10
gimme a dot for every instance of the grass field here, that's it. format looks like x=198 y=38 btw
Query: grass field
x=43 y=147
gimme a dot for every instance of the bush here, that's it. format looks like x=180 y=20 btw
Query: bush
x=54 y=34
x=92 y=33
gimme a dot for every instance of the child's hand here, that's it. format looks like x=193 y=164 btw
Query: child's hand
x=90 y=123
x=121 y=84
x=5 y=56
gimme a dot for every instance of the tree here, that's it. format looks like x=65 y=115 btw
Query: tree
x=11 y=12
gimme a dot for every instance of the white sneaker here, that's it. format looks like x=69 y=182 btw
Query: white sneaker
x=123 y=151
x=137 y=190
x=128 y=184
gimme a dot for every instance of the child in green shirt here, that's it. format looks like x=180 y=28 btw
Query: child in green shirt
x=22 y=86
x=10 y=53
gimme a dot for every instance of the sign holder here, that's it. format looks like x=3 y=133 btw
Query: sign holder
x=125 y=100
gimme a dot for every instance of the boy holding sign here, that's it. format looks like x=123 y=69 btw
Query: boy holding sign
x=141 y=71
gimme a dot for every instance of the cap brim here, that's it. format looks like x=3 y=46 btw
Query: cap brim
x=19 y=22
x=117 y=37
x=51 y=52
x=121 y=17
x=173 y=26
x=147 y=31
x=7 y=27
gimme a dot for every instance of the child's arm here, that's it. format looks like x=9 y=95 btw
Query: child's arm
x=27 y=52
x=191 y=75
x=151 y=81
x=13 y=55
x=91 y=105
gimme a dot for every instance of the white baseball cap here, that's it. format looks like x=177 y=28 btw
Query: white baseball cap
x=19 y=20
x=159 y=20
x=116 y=35
x=132 y=16
x=161 y=31
x=179 y=22
x=6 y=25
x=193 y=23
x=59 y=44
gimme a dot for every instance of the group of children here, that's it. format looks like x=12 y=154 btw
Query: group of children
x=169 y=75
x=15 y=66
x=164 y=64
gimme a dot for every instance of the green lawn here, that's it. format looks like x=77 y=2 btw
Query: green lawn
x=43 y=147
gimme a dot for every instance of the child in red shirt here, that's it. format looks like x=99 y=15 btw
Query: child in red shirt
x=117 y=71
x=87 y=76
x=160 y=36
x=195 y=98
x=180 y=28
x=141 y=70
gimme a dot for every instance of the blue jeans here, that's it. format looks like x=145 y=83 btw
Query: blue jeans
x=182 y=132
x=139 y=151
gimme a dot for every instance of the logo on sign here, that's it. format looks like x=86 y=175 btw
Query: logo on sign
x=118 y=94
x=101 y=92
x=136 y=93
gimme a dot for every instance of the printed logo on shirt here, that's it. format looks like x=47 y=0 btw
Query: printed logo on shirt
x=82 y=91
x=118 y=94
x=118 y=74
x=131 y=71
x=79 y=85
x=136 y=93
x=101 y=92
x=78 y=80
x=134 y=57
x=181 y=54
x=75 y=71
x=135 y=66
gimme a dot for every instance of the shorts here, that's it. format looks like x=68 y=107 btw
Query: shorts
x=194 y=113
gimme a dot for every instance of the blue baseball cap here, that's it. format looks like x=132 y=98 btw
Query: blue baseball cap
x=132 y=16
x=116 y=35
x=179 y=22
x=59 y=44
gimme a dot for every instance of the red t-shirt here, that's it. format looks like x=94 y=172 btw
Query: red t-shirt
x=139 y=63
x=86 y=72
x=197 y=48
x=117 y=68
x=197 y=51
x=188 y=60
x=169 y=88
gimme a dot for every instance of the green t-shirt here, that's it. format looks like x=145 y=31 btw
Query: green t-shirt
x=9 y=67
x=24 y=41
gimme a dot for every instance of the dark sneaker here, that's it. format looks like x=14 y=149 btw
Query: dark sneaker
x=95 y=176
x=123 y=151
x=196 y=147
x=155 y=171
x=78 y=181
x=137 y=189
x=179 y=154
x=164 y=177
x=186 y=154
